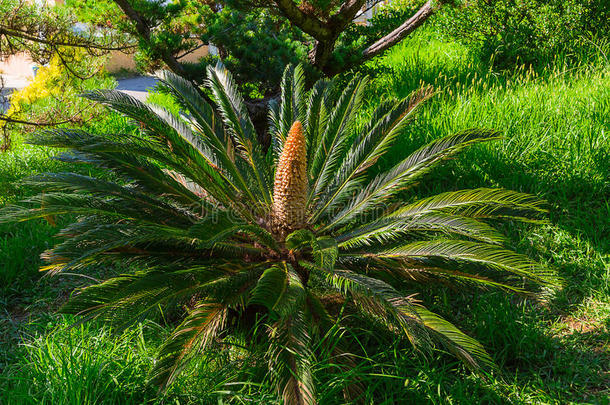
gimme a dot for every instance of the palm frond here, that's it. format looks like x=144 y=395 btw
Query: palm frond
x=479 y=203
x=461 y=278
x=128 y=297
x=206 y=122
x=290 y=358
x=235 y=114
x=189 y=97
x=220 y=226
x=474 y=255
x=387 y=184
x=323 y=249
x=333 y=141
x=271 y=285
x=390 y=230
x=376 y=137
x=383 y=302
x=50 y=204
x=280 y=290
x=196 y=153
x=317 y=115
x=290 y=109
x=192 y=336
x=136 y=158
x=457 y=342
x=107 y=239
x=128 y=196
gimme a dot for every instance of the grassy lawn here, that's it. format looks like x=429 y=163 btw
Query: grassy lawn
x=556 y=126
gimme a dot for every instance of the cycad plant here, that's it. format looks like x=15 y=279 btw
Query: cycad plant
x=253 y=244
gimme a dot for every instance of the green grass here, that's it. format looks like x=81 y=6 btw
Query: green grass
x=556 y=126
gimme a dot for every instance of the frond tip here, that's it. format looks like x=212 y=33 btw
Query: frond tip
x=290 y=189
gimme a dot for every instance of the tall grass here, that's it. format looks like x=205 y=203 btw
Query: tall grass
x=556 y=127
x=80 y=366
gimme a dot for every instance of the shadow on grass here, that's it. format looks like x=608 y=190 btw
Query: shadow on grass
x=532 y=343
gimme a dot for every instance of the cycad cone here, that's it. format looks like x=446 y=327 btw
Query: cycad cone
x=290 y=188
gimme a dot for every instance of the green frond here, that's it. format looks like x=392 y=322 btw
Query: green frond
x=473 y=255
x=137 y=159
x=280 y=289
x=201 y=151
x=323 y=249
x=324 y=320
x=316 y=116
x=191 y=337
x=269 y=287
x=232 y=106
x=387 y=184
x=277 y=138
x=50 y=204
x=380 y=300
x=290 y=358
x=128 y=196
x=221 y=226
x=386 y=123
x=207 y=124
x=416 y=322
x=235 y=114
x=196 y=153
x=190 y=98
x=457 y=342
x=161 y=124
x=299 y=239
x=291 y=107
x=325 y=252
x=333 y=141
x=479 y=203
x=394 y=229
x=463 y=278
x=123 y=299
x=106 y=239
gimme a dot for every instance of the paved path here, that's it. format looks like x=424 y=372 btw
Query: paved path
x=8 y=84
x=13 y=83
x=137 y=86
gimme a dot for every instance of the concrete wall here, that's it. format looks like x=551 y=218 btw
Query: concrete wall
x=20 y=65
x=120 y=61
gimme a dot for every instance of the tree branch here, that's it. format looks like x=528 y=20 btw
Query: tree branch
x=401 y=32
x=10 y=120
x=144 y=31
x=345 y=15
x=141 y=25
x=323 y=49
x=84 y=43
x=309 y=24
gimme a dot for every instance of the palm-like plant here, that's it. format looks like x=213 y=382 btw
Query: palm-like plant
x=204 y=216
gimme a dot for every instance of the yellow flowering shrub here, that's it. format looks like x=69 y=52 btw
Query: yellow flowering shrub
x=52 y=96
x=48 y=81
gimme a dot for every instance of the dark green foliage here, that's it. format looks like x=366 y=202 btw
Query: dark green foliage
x=528 y=31
x=189 y=211
x=358 y=36
x=255 y=45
